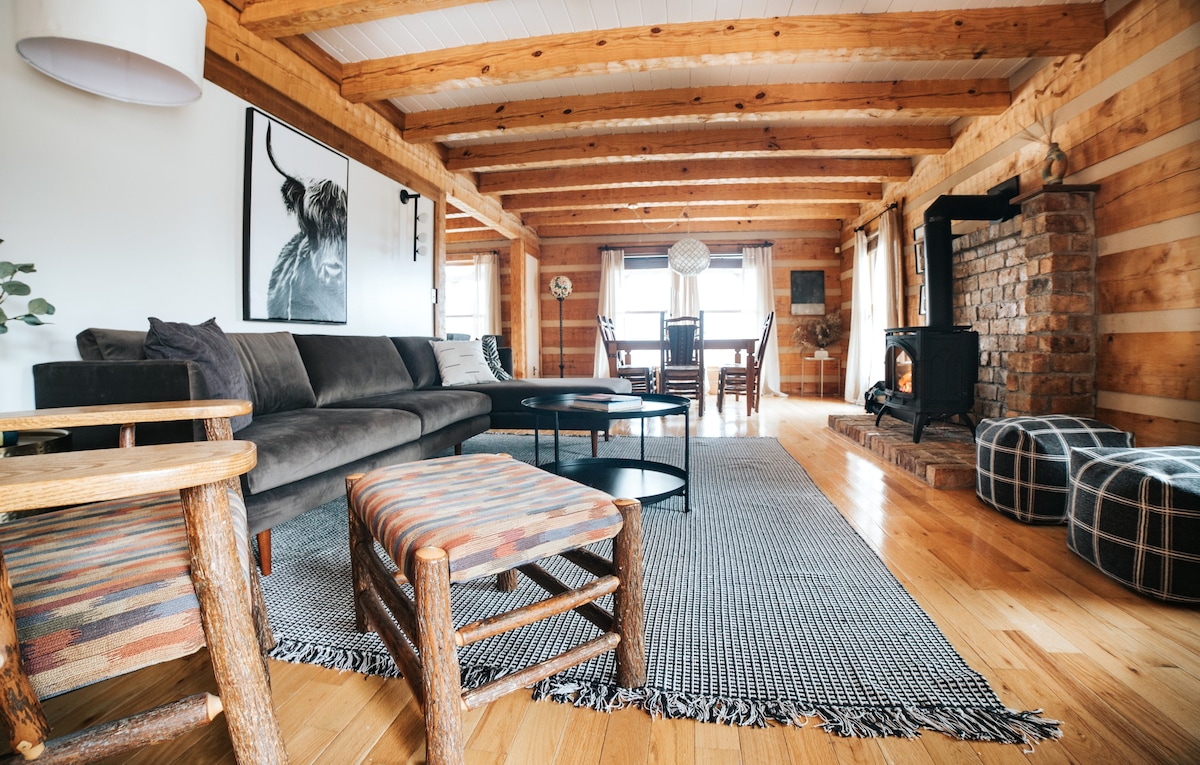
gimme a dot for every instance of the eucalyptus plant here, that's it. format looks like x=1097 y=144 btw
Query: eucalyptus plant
x=10 y=286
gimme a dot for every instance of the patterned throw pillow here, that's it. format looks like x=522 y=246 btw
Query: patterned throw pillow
x=461 y=362
x=492 y=354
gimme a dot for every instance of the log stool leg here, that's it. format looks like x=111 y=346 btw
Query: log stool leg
x=359 y=536
x=439 y=657
x=506 y=581
x=629 y=599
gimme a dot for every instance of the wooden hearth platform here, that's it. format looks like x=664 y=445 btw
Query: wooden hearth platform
x=945 y=458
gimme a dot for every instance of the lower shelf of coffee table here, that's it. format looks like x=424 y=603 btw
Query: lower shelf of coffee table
x=643 y=480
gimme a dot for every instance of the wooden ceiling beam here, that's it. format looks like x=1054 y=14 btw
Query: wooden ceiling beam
x=749 y=228
x=657 y=196
x=708 y=171
x=691 y=214
x=726 y=103
x=271 y=76
x=281 y=18
x=849 y=140
x=960 y=34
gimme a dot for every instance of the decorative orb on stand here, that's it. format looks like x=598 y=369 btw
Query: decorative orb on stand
x=560 y=288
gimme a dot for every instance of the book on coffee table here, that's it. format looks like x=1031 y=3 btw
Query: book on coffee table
x=607 y=402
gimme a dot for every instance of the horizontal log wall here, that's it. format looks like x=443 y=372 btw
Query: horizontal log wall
x=1128 y=116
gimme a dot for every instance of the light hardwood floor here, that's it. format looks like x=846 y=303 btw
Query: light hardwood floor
x=1045 y=628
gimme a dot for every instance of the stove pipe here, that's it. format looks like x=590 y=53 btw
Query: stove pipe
x=939 y=254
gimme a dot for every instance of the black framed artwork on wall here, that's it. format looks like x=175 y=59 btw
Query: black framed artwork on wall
x=294 y=244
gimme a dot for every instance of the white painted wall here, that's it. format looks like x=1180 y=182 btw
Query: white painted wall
x=134 y=211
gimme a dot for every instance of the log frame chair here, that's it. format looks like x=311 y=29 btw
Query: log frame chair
x=419 y=631
x=682 y=370
x=731 y=378
x=232 y=613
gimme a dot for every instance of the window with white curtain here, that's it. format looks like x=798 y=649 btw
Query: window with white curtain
x=646 y=293
x=463 y=299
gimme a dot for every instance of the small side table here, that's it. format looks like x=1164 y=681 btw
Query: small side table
x=38 y=442
x=820 y=372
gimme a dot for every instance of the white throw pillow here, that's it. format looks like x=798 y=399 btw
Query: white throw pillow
x=461 y=362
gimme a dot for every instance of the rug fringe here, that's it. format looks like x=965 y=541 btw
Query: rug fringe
x=1001 y=725
x=365 y=662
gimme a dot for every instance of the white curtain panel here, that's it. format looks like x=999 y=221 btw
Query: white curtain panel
x=857 y=370
x=487 y=285
x=876 y=304
x=756 y=265
x=685 y=295
x=612 y=265
x=892 y=256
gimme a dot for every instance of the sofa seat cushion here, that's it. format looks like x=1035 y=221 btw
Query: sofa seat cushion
x=507 y=395
x=436 y=408
x=304 y=442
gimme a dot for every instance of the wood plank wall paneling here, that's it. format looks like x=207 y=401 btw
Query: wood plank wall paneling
x=581 y=263
x=1160 y=277
x=1128 y=114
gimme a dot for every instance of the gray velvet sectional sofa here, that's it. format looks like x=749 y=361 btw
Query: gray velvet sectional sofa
x=325 y=406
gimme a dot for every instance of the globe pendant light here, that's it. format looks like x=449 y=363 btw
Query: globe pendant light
x=688 y=257
x=141 y=51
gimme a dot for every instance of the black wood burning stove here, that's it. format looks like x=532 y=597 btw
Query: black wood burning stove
x=931 y=371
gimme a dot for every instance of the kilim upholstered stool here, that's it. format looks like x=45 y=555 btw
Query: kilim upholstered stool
x=1135 y=515
x=1021 y=463
x=453 y=519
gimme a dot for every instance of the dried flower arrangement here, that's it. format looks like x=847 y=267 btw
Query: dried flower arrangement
x=820 y=332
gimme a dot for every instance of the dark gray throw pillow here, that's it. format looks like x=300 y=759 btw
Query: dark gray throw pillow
x=492 y=355
x=207 y=345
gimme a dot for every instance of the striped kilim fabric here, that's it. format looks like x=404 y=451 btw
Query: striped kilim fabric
x=105 y=589
x=488 y=512
x=1022 y=463
x=1135 y=515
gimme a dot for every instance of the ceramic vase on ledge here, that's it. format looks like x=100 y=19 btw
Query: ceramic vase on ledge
x=1054 y=166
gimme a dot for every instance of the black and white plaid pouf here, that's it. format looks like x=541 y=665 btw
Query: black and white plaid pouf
x=1021 y=463
x=1135 y=515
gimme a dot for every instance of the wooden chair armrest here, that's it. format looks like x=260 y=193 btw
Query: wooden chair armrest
x=123 y=414
x=69 y=478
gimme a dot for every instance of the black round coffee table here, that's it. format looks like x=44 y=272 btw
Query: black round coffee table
x=647 y=481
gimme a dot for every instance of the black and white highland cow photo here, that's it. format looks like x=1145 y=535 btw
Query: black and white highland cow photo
x=295 y=225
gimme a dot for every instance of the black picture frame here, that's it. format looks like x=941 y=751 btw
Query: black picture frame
x=919 y=249
x=808 y=293
x=293 y=271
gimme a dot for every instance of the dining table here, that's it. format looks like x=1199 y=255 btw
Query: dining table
x=737 y=345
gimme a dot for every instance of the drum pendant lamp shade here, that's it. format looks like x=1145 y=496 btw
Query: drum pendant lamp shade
x=688 y=257
x=141 y=51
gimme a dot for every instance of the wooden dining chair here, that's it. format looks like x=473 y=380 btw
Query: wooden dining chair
x=731 y=378
x=682 y=370
x=642 y=379
x=113 y=560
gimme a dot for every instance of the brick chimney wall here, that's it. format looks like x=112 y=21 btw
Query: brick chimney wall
x=1028 y=287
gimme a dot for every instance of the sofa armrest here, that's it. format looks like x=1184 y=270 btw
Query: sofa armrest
x=90 y=383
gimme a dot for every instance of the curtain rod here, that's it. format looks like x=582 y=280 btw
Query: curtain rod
x=874 y=218
x=665 y=246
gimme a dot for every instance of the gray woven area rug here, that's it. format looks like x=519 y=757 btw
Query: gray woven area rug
x=763 y=604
